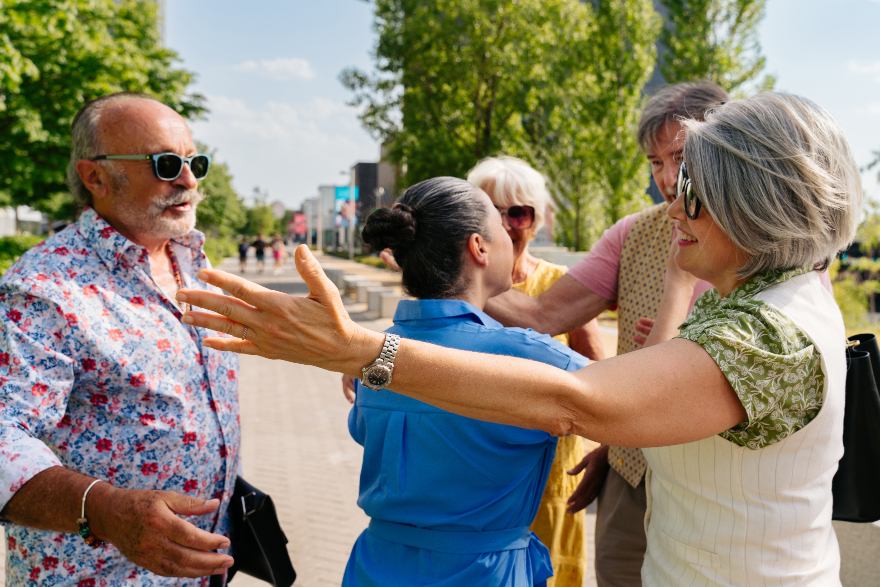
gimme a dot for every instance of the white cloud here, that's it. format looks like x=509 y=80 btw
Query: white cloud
x=281 y=69
x=871 y=69
x=288 y=148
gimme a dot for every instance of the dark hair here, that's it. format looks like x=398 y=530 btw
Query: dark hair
x=689 y=100
x=427 y=230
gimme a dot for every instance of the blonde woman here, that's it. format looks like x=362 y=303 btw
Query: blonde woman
x=520 y=195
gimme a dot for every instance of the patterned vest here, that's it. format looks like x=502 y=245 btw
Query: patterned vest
x=639 y=291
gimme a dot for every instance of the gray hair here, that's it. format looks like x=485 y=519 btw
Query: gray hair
x=512 y=182
x=778 y=176
x=675 y=103
x=86 y=139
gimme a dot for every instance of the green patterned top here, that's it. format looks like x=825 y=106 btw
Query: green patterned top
x=772 y=365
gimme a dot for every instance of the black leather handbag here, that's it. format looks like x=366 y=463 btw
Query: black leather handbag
x=259 y=545
x=856 y=486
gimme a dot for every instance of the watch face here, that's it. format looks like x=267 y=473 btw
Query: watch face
x=378 y=376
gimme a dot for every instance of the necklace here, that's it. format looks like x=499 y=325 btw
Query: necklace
x=178 y=277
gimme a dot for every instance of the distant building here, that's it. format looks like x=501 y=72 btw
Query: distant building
x=366 y=178
x=389 y=176
x=29 y=221
x=320 y=217
x=278 y=209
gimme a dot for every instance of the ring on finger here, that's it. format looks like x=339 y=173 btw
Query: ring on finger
x=245 y=332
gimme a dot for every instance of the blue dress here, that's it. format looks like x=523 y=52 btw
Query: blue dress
x=451 y=498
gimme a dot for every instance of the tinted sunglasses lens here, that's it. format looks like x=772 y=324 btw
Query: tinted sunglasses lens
x=168 y=166
x=679 y=185
x=691 y=203
x=199 y=166
x=520 y=216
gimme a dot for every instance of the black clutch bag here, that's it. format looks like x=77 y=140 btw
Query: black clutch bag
x=856 y=486
x=259 y=546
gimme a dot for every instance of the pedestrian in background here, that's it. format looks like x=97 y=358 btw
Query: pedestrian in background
x=243 y=246
x=260 y=246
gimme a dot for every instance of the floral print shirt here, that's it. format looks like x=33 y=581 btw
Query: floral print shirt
x=98 y=374
x=771 y=364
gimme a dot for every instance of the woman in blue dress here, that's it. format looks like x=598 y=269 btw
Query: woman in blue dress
x=450 y=498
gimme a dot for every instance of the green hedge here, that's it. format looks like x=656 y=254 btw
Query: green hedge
x=13 y=247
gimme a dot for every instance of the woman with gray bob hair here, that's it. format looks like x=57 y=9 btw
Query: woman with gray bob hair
x=779 y=178
x=742 y=409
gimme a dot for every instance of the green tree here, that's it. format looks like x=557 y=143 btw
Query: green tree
x=715 y=40
x=451 y=78
x=586 y=141
x=458 y=80
x=222 y=214
x=55 y=55
x=261 y=220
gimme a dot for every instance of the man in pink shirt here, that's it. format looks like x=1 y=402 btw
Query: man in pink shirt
x=625 y=268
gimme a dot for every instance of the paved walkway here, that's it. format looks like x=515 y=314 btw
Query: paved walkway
x=296 y=447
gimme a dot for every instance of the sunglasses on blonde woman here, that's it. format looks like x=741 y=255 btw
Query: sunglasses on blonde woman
x=519 y=217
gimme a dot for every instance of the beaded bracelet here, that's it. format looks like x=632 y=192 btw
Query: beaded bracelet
x=84 y=530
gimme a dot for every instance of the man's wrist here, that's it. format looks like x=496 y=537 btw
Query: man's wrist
x=100 y=508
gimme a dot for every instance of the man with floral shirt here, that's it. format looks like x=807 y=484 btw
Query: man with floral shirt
x=109 y=404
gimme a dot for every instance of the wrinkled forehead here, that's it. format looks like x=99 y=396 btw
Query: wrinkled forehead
x=669 y=138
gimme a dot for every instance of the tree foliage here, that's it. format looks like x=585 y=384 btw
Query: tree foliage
x=55 y=55
x=222 y=214
x=585 y=141
x=714 y=40
x=261 y=220
x=557 y=82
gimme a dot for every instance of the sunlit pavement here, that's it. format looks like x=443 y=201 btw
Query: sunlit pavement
x=296 y=447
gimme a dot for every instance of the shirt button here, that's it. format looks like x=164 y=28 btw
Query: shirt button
x=619 y=462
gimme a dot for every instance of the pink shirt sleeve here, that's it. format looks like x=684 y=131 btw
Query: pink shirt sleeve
x=598 y=271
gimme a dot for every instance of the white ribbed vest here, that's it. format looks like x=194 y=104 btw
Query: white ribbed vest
x=721 y=514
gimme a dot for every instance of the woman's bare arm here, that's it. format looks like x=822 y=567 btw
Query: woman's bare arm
x=669 y=393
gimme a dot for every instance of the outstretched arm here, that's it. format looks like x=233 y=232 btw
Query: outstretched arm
x=609 y=401
x=562 y=308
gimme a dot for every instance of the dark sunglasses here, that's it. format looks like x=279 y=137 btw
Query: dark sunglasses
x=167 y=166
x=518 y=217
x=684 y=187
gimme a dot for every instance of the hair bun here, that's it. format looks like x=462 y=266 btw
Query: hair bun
x=393 y=228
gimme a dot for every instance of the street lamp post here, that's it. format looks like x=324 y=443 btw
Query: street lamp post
x=353 y=209
x=380 y=193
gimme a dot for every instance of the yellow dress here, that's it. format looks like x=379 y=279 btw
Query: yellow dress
x=561 y=532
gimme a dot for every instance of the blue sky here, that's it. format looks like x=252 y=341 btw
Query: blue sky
x=269 y=69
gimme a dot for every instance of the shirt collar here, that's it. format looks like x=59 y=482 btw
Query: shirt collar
x=109 y=244
x=410 y=310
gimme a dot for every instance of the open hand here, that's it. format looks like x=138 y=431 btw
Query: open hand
x=313 y=330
